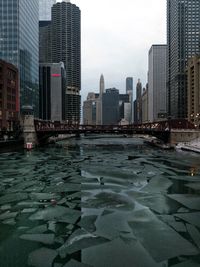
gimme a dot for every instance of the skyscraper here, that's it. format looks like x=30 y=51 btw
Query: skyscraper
x=66 y=48
x=45 y=30
x=129 y=91
x=183 y=40
x=19 y=45
x=110 y=107
x=45 y=41
x=138 y=114
x=157 y=83
x=52 y=90
x=45 y=9
x=99 y=101
x=129 y=85
x=102 y=85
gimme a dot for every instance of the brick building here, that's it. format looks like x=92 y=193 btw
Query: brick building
x=9 y=95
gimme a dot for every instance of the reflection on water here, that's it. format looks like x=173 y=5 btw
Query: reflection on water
x=106 y=202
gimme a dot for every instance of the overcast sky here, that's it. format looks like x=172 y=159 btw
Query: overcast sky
x=116 y=38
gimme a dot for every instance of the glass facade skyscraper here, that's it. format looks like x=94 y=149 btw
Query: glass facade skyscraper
x=183 y=41
x=157 y=83
x=45 y=9
x=129 y=85
x=19 y=45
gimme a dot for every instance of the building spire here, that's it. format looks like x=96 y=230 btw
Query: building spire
x=102 y=85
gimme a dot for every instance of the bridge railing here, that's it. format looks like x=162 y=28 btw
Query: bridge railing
x=45 y=126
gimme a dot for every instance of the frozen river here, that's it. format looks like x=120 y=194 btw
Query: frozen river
x=102 y=203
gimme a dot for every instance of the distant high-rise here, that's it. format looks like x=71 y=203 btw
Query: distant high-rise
x=183 y=40
x=129 y=85
x=138 y=114
x=157 y=83
x=138 y=89
x=110 y=107
x=19 y=46
x=66 y=48
x=102 y=85
x=129 y=91
x=45 y=9
x=99 y=101
x=89 y=109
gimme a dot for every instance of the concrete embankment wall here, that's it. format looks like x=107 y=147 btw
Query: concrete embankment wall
x=181 y=136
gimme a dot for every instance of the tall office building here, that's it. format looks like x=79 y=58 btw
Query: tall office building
x=52 y=89
x=99 y=101
x=110 y=107
x=157 y=83
x=45 y=9
x=45 y=41
x=138 y=114
x=19 y=45
x=129 y=85
x=129 y=91
x=89 y=109
x=193 y=88
x=66 y=48
x=183 y=40
x=45 y=30
x=145 y=117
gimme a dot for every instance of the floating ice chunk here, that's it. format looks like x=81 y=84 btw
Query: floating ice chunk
x=5 y=207
x=74 y=263
x=189 y=201
x=88 y=223
x=64 y=187
x=79 y=244
x=47 y=239
x=42 y=257
x=9 y=198
x=118 y=253
x=194 y=186
x=9 y=221
x=30 y=204
x=38 y=229
x=187 y=264
x=30 y=210
x=158 y=203
x=192 y=218
x=8 y=215
x=194 y=233
x=166 y=244
x=52 y=226
x=183 y=210
x=57 y=213
x=110 y=200
x=21 y=186
x=112 y=225
x=157 y=185
x=178 y=226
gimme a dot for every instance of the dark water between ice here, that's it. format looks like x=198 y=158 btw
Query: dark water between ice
x=101 y=203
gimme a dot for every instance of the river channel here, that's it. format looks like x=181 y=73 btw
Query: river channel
x=100 y=202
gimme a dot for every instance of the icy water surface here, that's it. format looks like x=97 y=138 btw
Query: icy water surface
x=101 y=203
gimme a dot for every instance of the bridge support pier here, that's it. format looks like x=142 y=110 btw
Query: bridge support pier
x=29 y=132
